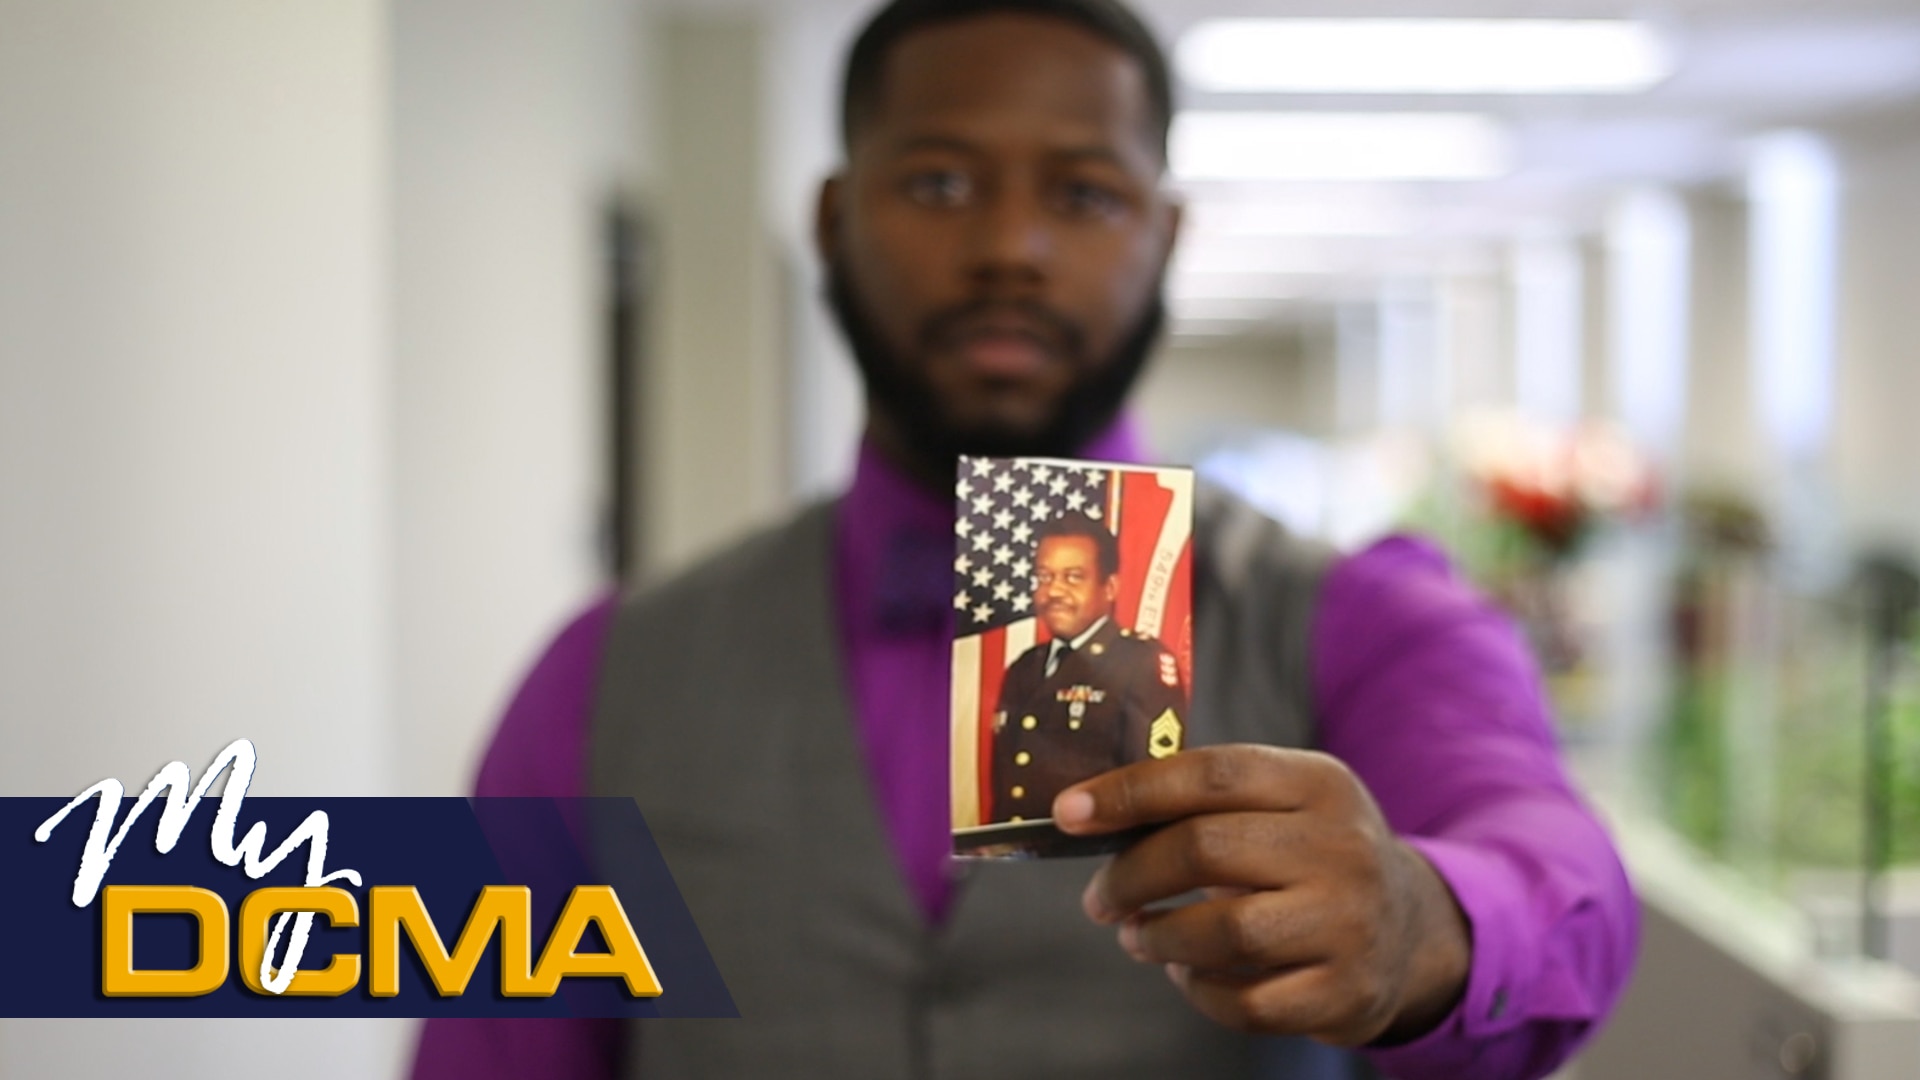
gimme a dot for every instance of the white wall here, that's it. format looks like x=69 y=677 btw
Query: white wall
x=193 y=391
x=802 y=94
x=300 y=433
x=194 y=398
x=715 y=416
x=1876 y=438
x=514 y=125
x=1195 y=391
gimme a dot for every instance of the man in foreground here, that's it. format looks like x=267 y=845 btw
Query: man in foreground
x=1392 y=857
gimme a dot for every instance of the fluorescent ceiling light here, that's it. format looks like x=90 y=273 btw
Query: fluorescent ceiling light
x=1339 y=146
x=1423 y=56
x=1299 y=218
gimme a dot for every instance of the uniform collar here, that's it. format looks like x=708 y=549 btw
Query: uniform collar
x=1085 y=635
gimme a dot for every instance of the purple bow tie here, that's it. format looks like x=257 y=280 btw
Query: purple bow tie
x=916 y=582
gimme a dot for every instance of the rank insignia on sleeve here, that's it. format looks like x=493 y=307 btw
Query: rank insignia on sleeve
x=1163 y=738
x=1169 y=670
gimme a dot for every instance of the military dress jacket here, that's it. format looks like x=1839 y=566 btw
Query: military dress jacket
x=1115 y=700
x=721 y=710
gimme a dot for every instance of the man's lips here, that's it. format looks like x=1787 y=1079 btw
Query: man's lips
x=1003 y=354
x=1009 y=342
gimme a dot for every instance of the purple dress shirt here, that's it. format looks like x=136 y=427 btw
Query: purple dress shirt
x=1420 y=686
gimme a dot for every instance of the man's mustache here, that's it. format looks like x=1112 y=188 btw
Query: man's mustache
x=1054 y=329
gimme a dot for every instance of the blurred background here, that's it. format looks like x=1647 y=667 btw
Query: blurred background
x=346 y=347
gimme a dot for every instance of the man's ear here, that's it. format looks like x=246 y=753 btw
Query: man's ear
x=1176 y=211
x=826 y=217
x=1113 y=587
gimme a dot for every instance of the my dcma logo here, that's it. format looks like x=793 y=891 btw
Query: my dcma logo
x=391 y=910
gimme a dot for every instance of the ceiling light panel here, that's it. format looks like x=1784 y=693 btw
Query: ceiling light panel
x=1234 y=145
x=1424 y=56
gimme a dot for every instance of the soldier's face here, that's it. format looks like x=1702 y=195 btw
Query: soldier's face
x=1068 y=592
x=996 y=244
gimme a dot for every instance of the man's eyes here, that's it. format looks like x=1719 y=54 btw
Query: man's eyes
x=940 y=188
x=1090 y=199
x=1071 y=577
x=948 y=189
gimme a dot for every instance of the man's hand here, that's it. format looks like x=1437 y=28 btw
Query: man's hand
x=1318 y=920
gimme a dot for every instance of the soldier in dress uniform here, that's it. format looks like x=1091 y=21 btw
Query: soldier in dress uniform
x=1095 y=696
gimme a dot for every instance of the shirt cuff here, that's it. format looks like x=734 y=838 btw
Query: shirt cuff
x=1503 y=947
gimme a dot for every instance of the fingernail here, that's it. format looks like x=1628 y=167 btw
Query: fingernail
x=1093 y=901
x=1130 y=940
x=1073 y=808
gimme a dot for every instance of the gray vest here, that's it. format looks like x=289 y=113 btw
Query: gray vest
x=722 y=710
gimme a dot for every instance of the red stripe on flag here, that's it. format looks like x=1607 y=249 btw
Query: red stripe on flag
x=1143 y=509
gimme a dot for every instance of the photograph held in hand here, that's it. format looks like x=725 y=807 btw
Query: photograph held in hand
x=1072 y=640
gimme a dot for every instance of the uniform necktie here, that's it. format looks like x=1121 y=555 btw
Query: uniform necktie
x=1058 y=654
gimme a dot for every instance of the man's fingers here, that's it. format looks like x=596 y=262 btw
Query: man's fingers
x=1261 y=931
x=1290 y=1002
x=1256 y=850
x=1210 y=779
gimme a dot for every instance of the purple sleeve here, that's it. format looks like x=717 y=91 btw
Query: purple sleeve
x=1429 y=694
x=539 y=749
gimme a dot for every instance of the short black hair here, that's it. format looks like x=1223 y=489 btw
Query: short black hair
x=1073 y=523
x=1107 y=19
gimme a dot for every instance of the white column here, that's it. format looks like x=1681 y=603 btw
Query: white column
x=1793 y=185
x=1648 y=264
x=1549 y=292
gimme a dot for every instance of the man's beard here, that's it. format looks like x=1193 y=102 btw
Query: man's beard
x=896 y=385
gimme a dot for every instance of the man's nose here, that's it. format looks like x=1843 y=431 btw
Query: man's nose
x=1015 y=240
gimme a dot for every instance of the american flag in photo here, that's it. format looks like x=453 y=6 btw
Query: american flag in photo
x=1000 y=504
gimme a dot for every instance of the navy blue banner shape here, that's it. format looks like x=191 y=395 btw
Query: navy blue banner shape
x=448 y=849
